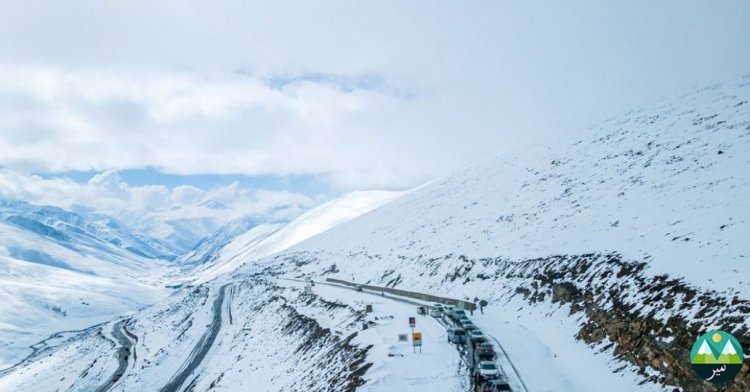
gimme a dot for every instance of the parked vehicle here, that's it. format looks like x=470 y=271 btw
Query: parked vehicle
x=476 y=338
x=487 y=370
x=456 y=335
x=457 y=314
x=483 y=355
x=359 y=287
x=465 y=323
x=435 y=312
x=422 y=310
x=493 y=385
x=487 y=350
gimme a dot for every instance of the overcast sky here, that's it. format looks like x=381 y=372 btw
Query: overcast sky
x=326 y=97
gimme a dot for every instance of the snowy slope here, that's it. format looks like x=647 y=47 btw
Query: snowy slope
x=614 y=252
x=668 y=183
x=641 y=225
x=271 y=336
x=59 y=271
x=216 y=255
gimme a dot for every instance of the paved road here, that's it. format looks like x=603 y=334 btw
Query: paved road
x=135 y=339
x=462 y=353
x=201 y=348
x=123 y=355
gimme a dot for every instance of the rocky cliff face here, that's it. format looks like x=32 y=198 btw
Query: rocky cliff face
x=650 y=322
x=647 y=322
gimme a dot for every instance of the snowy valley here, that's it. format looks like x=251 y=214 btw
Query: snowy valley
x=600 y=262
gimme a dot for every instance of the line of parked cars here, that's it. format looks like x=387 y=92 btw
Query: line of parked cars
x=486 y=375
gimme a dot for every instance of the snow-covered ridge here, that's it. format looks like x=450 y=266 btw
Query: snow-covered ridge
x=655 y=205
x=227 y=249
x=77 y=231
x=669 y=184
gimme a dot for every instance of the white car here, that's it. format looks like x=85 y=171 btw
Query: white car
x=488 y=369
x=435 y=312
x=465 y=322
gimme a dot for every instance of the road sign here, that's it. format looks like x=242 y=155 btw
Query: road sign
x=416 y=338
x=412 y=322
x=402 y=337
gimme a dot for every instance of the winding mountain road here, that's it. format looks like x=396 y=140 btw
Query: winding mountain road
x=123 y=356
x=201 y=348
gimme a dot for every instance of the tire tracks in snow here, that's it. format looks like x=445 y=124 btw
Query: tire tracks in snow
x=201 y=348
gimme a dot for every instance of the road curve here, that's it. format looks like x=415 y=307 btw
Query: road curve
x=201 y=348
x=404 y=300
x=123 y=354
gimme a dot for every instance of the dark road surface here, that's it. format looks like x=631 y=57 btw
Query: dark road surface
x=201 y=348
x=123 y=355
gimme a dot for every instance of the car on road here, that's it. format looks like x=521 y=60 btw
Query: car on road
x=457 y=314
x=493 y=385
x=465 y=322
x=475 y=340
x=448 y=309
x=435 y=312
x=480 y=356
x=484 y=352
x=476 y=336
x=487 y=370
x=438 y=307
x=470 y=328
x=456 y=335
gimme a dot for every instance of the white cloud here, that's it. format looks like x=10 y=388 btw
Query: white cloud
x=186 y=194
x=375 y=95
x=183 y=124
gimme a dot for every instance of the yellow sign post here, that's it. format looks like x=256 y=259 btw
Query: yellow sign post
x=416 y=340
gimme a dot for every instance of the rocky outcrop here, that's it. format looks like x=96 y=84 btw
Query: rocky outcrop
x=624 y=310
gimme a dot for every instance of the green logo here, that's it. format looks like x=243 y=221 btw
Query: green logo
x=717 y=357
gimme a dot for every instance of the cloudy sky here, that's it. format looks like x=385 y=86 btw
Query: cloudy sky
x=317 y=98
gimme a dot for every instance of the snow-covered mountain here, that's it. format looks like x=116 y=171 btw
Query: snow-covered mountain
x=243 y=240
x=666 y=184
x=615 y=253
x=60 y=271
x=91 y=230
x=207 y=249
x=179 y=233
x=641 y=228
